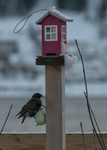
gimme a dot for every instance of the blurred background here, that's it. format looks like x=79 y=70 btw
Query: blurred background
x=20 y=77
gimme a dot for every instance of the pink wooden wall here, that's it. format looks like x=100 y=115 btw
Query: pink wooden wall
x=51 y=46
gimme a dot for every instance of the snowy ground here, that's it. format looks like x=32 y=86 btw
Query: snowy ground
x=19 y=89
x=15 y=89
x=93 y=50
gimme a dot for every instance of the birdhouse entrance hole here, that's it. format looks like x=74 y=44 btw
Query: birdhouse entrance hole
x=53 y=54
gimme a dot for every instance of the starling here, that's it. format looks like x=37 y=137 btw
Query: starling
x=31 y=107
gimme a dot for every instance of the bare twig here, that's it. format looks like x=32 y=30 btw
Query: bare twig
x=6 y=119
x=88 y=105
x=98 y=127
x=83 y=135
x=94 y=140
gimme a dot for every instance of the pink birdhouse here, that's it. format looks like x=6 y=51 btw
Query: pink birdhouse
x=53 y=31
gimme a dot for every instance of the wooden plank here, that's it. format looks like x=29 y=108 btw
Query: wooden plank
x=22 y=141
x=32 y=141
x=55 y=107
x=50 y=61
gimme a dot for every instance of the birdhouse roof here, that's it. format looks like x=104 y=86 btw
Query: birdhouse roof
x=56 y=14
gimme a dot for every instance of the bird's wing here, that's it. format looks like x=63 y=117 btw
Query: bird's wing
x=25 y=108
x=29 y=105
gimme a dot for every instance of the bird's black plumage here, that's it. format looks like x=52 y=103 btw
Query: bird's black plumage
x=31 y=107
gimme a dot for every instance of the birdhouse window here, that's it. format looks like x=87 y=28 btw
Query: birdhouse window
x=63 y=33
x=51 y=33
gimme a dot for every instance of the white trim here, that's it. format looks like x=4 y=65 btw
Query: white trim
x=63 y=33
x=50 y=33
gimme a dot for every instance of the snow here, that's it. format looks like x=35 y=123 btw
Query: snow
x=64 y=48
x=93 y=49
x=59 y=15
x=22 y=87
x=70 y=60
x=92 y=8
x=55 y=13
x=19 y=89
x=83 y=31
x=95 y=90
x=104 y=132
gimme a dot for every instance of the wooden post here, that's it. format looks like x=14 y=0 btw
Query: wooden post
x=55 y=107
x=55 y=101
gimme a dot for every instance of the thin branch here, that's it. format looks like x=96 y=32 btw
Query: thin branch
x=88 y=105
x=83 y=135
x=94 y=140
x=83 y=68
x=6 y=119
x=89 y=110
x=97 y=127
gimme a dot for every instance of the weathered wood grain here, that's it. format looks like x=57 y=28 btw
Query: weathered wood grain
x=22 y=141
x=55 y=107
x=35 y=141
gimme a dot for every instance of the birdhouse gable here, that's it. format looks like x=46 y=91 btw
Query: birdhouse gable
x=56 y=14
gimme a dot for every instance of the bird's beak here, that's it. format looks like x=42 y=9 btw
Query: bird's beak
x=43 y=96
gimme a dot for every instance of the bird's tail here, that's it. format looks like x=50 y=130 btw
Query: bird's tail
x=24 y=117
x=18 y=113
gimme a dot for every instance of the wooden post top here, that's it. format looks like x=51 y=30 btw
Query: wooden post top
x=50 y=60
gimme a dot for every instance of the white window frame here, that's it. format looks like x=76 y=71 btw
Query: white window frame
x=63 y=33
x=51 y=33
